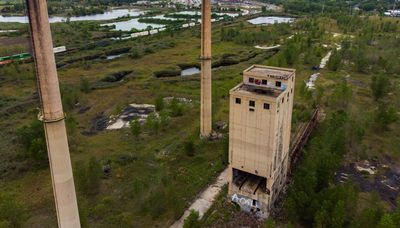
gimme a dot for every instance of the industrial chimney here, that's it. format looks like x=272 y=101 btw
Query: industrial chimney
x=52 y=115
x=206 y=105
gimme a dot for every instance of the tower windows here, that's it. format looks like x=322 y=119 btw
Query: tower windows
x=266 y=106
x=252 y=103
x=238 y=101
x=264 y=82
x=251 y=80
x=278 y=84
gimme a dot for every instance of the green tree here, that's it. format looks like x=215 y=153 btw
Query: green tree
x=189 y=148
x=192 y=221
x=341 y=96
x=32 y=138
x=338 y=215
x=335 y=60
x=386 y=222
x=136 y=128
x=69 y=97
x=361 y=63
x=152 y=122
x=386 y=115
x=379 y=86
x=176 y=108
x=291 y=53
x=159 y=103
x=164 y=119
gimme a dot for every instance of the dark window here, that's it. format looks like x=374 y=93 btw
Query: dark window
x=252 y=103
x=283 y=99
x=264 y=82
x=258 y=82
x=278 y=84
x=238 y=101
x=251 y=109
x=266 y=106
x=291 y=90
x=251 y=80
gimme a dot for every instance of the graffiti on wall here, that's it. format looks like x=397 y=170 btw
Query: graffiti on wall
x=245 y=203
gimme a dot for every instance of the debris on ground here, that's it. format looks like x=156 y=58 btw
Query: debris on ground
x=133 y=111
x=310 y=84
x=221 y=125
x=366 y=167
x=365 y=174
x=99 y=123
x=216 y=136
x=183 y=100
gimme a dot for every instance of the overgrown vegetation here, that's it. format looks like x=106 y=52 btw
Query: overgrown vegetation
x=160 y=166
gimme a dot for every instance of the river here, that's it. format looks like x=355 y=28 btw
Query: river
x=108 y=15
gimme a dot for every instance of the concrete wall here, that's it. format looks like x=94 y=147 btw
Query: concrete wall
x=259 y=140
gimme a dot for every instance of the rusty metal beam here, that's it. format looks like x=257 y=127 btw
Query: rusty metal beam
x=52 y=115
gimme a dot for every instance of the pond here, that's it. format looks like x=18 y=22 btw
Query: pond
x=190 y=71
x=133 y=23
x=111 y=57
x=109 y=15
x=270 y=20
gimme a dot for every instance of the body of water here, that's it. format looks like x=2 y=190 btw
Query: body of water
x=111 y=57
x=270 y=20
x=109 y=15
x=133 y=23
x=190 y=71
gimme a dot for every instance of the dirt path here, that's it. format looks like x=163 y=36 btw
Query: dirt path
x=204 y=201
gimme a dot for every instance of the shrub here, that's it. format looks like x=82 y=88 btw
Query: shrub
x=69 y=97
x=335 y=61
x=136 y=128
x=159 y=103
x=85 y=85
x=189 y=148
x=32 y=138
x=176 y=108
x=192 y=221
x=134 y=53
x=379 y=86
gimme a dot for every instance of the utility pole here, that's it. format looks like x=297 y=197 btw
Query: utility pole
x=206 y=99
x=52 y=115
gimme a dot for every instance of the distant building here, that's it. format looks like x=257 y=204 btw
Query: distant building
x=259 y=136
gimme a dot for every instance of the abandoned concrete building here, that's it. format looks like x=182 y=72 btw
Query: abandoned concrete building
x=259 y=136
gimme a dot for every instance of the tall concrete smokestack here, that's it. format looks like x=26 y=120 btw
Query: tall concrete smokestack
x=206 y=99
x=53 y=115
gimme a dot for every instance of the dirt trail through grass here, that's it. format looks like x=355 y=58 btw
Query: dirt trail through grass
x=204 y=201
